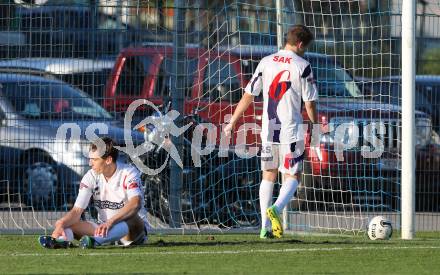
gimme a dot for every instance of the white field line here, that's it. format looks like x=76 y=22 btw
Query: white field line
x=251 y=251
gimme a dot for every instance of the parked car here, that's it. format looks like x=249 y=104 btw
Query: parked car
x=75 y=31
x=88 y=75
x=12 y=44
x=427 y=99
x=146 y=71
x=45 y=170
x=427 y=95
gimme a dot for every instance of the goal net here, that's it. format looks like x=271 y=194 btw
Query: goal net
x=200 y=57
x=353 y=48
x=358 y=174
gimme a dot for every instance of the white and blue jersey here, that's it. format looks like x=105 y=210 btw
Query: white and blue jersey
x=286 y=80
x=110 y=196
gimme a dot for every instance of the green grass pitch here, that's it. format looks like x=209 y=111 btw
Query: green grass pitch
x=230 y=254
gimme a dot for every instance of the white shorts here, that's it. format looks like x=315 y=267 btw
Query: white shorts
x=287 y=158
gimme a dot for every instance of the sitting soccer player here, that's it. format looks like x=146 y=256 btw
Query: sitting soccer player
x=118 y=198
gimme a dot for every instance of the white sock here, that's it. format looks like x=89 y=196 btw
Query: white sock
x=266 y=193
x=286 y=193
x=69 y=235
x=118 y=231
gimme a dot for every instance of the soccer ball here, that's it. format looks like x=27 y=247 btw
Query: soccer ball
x=380 y=228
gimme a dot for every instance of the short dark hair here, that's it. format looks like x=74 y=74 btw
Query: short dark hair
x=299 y=33
x=110 y=150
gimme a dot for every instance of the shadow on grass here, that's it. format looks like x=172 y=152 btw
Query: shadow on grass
x=219 y=243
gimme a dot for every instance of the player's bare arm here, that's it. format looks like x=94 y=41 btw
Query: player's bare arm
x=244 y=103
x=128 y=211
x=313 y=116
x=71 y=218
x=311 y=111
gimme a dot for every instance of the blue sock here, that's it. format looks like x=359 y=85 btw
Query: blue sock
x=118 y=231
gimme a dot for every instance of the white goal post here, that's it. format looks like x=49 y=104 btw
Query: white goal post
x=408 y=118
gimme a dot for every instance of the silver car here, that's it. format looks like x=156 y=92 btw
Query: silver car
x=43 y=168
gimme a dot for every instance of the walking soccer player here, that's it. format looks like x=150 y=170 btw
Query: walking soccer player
x=286 y=79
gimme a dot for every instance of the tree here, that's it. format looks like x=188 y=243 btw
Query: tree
x=430 y=62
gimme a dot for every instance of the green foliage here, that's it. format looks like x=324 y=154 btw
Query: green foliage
x=430 y=62
x=363 y=58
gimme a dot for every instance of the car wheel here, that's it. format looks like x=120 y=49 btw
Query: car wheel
x=232 y=192
x=157 y=187
x=40 y=181
x=156 y=196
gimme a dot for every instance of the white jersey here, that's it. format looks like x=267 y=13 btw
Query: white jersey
x=286 y=80
x=110 y=196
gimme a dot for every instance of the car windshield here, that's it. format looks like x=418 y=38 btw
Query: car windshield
x=51 y=100
x=333 y=80
x=93 y=83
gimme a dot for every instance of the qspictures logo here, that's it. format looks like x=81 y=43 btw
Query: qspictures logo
x=205 y=140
